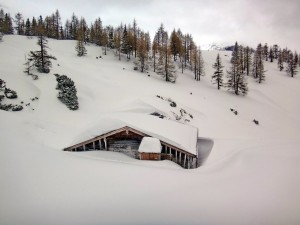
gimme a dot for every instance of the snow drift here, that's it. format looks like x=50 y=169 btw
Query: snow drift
x=250 y=177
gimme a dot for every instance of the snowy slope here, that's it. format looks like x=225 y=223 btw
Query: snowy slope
x=250 y=177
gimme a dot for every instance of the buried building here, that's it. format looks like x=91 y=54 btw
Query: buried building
x=143 y=137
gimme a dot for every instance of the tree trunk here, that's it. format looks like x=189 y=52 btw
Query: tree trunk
x=166 y=65
x=154 y=61
x=42 y=52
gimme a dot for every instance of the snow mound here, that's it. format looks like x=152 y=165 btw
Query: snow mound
x=150 y=145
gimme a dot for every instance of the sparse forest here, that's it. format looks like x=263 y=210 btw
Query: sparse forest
x=165 y=54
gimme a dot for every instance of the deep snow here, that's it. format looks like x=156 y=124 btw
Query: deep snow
x=250 y=176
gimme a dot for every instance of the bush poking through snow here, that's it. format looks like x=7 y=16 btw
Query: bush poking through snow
x=67 y=92
x=8 y=107
x=10 y=93
x=5 y=107
x=16 y=108
x=173 y=104
x=2 y=84
x=29 y=67
x=158 y=115
x=180 y=114
x=234 y=111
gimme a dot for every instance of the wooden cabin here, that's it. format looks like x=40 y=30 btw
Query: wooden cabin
x=127 y=140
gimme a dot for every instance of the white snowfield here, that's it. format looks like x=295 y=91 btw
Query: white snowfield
x=150 y=145
x=251 y=176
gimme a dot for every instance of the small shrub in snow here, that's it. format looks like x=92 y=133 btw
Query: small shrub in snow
x=5 y=107
x=34 y=77
x=67 y=92
x=8 y=107
x=10 y=93
x=177 y=117
x=2 y=84
x=234 y=111
x=29 y=67
x=17 y=108
x=173 y=104
x=180 y=114
x=158 y=115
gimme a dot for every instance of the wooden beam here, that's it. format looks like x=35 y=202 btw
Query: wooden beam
x=194 y=162
x=105 y=144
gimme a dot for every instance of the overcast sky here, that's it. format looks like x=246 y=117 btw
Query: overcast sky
x=222 y=21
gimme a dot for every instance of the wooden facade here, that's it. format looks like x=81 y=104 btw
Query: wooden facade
x=150 y=156
x=127 y=141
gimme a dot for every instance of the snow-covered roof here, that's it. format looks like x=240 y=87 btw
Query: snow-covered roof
x=179 y=135
x=150 y=145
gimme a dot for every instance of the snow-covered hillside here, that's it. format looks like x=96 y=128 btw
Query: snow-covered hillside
x=250 y=177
